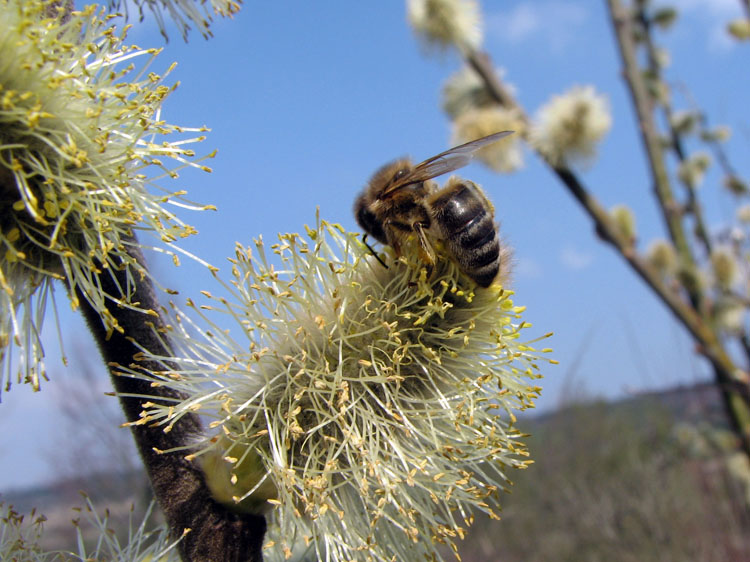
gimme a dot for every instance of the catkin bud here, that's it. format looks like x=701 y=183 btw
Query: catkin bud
x=720 y=133
x=662 y=256
x=684 y=122
x=739 y=29
x=690 y=278
x=743 y=213
x=625 y=222
x=735 y=185
x=664 y=17
x=237 y=477
x=729 y=315
x=692 y=170
x=724 y=267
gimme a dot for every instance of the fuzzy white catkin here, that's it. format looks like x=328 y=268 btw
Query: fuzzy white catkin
x=465 y=90
x=82 y=136
x=446 y=23
x=379 y=400
x=504 y=156
x=568 y=128
x=184 y=13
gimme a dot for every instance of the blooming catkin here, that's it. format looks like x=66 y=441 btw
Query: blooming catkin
x=184 y=13
x=465 y=90
x=81 y=160
x=503 y=156
x=378 y=400
x=568 y=128
x=446 y=23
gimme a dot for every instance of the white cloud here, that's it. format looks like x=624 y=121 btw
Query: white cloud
x=519 y=24
x=553 y=21
x=527 y=268
x=574 y=259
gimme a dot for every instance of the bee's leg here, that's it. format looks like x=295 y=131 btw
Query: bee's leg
x=426 y=253
x=372 y=251
x=396 y=245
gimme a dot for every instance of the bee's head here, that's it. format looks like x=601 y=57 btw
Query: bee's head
x=387 y=176
x=367 y=218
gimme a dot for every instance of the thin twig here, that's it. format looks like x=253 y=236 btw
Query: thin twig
x=605 y=226
x=693 y=206
x=643 y=105
x=727 y=373
x=716 y=146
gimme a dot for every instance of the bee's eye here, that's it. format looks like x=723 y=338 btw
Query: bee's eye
x=369 y=222
x=400 y=174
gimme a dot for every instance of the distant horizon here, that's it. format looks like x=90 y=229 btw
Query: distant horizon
x=13 y=494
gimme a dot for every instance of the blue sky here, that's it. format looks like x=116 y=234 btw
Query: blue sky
x=305 y=100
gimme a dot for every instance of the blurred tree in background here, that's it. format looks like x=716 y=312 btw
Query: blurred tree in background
x=700 y=275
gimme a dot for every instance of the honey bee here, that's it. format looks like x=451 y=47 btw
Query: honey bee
x=400 y=200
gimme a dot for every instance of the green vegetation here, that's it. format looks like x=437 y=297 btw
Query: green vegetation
x=633 y=481
x=651 y=478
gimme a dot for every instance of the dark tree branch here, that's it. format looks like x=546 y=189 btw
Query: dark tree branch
x=746 y=6
x=216 y=534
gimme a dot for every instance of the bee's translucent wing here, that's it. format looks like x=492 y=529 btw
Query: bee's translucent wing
x=458 y=156
x=448 y=161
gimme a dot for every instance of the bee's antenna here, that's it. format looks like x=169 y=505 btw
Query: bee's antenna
x=372 y=251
